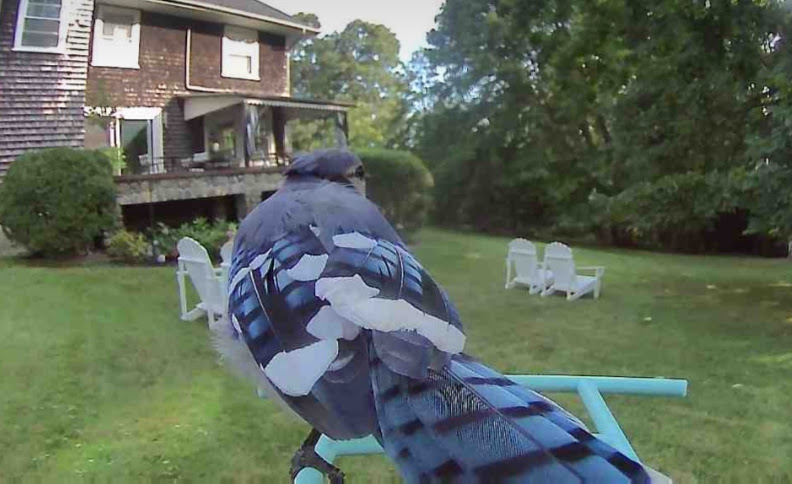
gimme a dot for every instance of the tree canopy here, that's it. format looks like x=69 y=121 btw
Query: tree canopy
x=654 y=123
x=647 y=122
x=361 y=65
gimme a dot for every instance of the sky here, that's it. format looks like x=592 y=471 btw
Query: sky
x=410 y=20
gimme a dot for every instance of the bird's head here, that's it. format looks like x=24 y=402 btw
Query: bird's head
x=334 y=165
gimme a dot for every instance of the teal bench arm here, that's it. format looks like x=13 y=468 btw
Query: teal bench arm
x=589 y=388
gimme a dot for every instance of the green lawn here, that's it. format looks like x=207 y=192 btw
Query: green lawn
x=102 y=381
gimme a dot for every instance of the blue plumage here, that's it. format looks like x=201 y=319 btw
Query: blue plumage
x=358 y=339
x=470 y=423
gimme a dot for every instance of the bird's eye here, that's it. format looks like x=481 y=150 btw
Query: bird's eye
x=360 y=173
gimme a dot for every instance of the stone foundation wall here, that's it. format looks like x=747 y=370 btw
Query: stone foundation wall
x=248 y=186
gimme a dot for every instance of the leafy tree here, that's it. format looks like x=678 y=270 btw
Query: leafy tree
x=770 y=139
x=580 y=117
x=360 y=65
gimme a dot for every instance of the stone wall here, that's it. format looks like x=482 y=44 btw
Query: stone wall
x=247 y=185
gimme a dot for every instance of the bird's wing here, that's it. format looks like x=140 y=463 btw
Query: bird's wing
x=379 y=286
x=307 y=313
x=322 y=376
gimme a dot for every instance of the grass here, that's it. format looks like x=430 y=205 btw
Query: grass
x=101 y=381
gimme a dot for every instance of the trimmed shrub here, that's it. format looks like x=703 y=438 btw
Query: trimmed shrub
x=57 y=202
x=400 y=184
x=127 y=246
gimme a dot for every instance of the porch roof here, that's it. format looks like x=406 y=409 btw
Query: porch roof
x=197 y=105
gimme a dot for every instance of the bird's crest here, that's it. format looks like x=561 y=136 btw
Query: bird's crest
x=327 y=164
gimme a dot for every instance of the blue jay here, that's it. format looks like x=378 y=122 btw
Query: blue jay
x=341 y=325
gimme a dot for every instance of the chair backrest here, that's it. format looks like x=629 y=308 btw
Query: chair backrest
x=523 y=254
x=558 y=258
x=226 y=251
x=195 y=260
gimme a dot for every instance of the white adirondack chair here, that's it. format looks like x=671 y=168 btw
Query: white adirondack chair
x=209 y=283
x=226 y=252
x=528 y=271
x=558 y=258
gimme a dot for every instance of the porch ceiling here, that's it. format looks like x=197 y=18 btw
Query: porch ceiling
x=196 y=105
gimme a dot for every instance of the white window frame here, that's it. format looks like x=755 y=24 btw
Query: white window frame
x=62 y=30
x=248 y=49
x=102 y=54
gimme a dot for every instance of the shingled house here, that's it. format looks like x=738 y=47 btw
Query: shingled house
x=195 y=94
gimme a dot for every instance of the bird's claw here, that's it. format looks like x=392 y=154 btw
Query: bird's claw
x=306 y=456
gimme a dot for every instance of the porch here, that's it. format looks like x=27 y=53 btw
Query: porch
x=220 y=148
x=225 y=132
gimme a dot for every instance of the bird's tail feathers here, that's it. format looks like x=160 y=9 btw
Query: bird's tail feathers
x=469 y=422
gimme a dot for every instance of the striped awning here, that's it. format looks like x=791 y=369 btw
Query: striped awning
x=299 y=104
x=197 y=105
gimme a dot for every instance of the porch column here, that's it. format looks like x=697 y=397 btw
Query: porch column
x=251 y=129
x=241 y=142
x=279 y=132
x=341 y=129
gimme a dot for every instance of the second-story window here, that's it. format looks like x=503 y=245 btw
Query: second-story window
x=41 y=26
x=116 y=38
x=240 y=53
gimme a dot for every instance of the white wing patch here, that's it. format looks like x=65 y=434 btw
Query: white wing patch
x=354 y=240
x=327 y=324
x=354 y=300
x=243 y=273
x=235 y=323
x=258 y=261
x=389 y=315
x=295 y=372
x=343 y=291
x=309 y=268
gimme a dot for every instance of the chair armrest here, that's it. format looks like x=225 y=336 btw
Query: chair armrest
x=598 y=270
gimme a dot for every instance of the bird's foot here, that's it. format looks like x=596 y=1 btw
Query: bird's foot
x=306 y=456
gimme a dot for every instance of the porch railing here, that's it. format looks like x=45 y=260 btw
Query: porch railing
x=147 y=165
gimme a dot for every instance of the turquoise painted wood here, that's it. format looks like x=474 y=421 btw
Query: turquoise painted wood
x=589 y=388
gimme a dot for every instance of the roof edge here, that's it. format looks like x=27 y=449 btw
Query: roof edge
x=198 y=5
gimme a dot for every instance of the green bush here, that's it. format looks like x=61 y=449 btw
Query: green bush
x=57 y=202
x=212 y=235
x=127 y=246
x=400 y=184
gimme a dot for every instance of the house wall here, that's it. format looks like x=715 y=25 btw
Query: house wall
x=162 y=73
x=42 y=95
